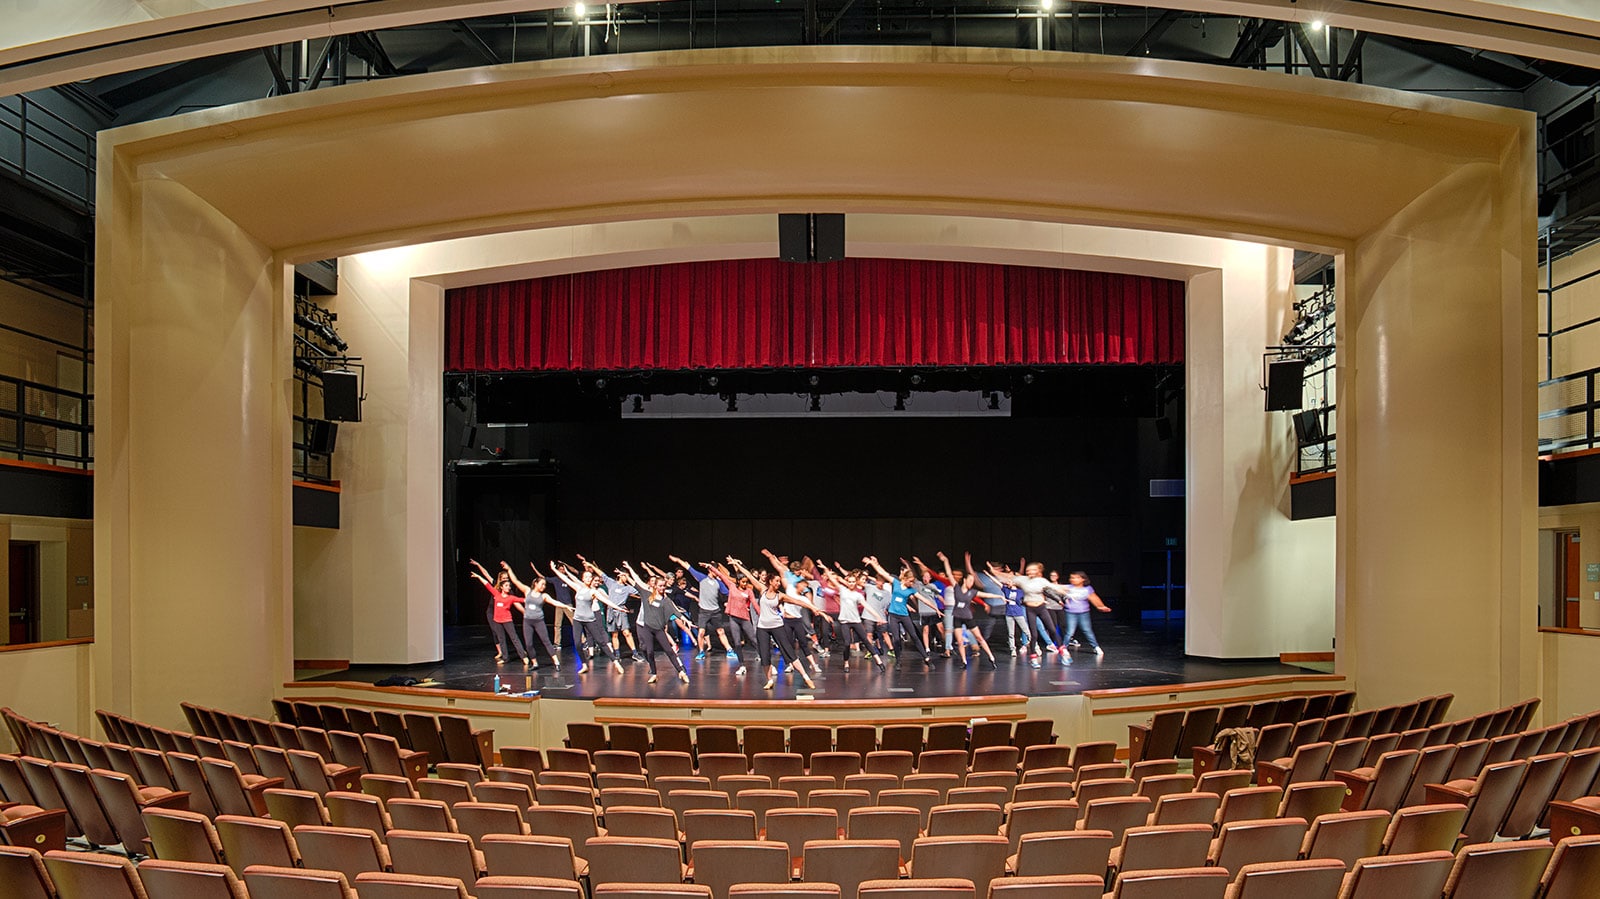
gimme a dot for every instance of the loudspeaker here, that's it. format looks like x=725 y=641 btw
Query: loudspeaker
x=810 y=237
x=1308 y=427
x=1284 y=380
x=341 y=396
x=321 y=436
x=794 y=237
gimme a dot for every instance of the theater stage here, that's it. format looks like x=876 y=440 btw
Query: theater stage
x=1134 y=658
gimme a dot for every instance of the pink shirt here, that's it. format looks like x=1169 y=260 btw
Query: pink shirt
x=502 y=603
x=739 y=603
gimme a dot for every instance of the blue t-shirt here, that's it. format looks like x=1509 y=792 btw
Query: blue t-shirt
x=902 y=593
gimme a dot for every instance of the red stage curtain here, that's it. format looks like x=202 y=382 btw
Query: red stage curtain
x=763 y=313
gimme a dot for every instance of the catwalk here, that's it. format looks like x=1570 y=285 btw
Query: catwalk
x=1134 y=658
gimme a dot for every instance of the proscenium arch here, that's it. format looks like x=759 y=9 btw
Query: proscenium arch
x=200 y=214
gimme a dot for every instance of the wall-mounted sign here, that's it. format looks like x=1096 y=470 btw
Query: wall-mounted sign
x=1593 y=572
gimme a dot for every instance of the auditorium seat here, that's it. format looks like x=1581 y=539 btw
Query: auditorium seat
x=1187 y=808
x=572 y=761
x=882 y=822
x=377 y=885
x=311 y=772
x=894 y=762
x=804 y=784
x=717 y=739
x=1311 y=799
x=1419 y=875
x=23 y=872
x=639 y=891
x=918 y=888
x=422 y=729
x=835 y=765
x=250 y=841
x=1171 y=883
x=433 y=855
x=296 y=807
x=527 y=758
x=479 y=819
x=348 y=850
x=529 y=855
x=1424 y=828
x=783 y=891
x=1157 y=739
x=1249 y=804
x=1170 y=846
x=847 y=863
x=979 y=859
x=1116 y=814
x=760 y=739
x=860 y=739
x=672 y=738
x=642 y=821
x=666 y=763
x=1346 y=836
x=1487 y=798
x=611 y=797
x=1099 y=752
x=1574 y=869
x=190 y=880
x=806 y=740
x=1047 y=755
x=93 y=875
x=989 y=734
x=1241 y=843
x=841 y=801
x=921 y=800
x=1064 y=886
x=264 y=882
x=719 y=864
x=633 y=860
x=1498 y=870
x=761 y=801
x=1533 y=795
x=430 y=815
x=1316 y=878
x=77 y=791
x=1381 y=786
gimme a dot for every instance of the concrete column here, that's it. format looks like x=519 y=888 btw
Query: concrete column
x=192 y=495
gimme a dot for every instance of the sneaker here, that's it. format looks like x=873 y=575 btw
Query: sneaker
x=617 y=665
x=1034 y=662
x=1066 y=659
x=740 y=672
x=683 y=676
x=733 y=656
x=638 y=656
x=651 y=679
x=556 y=660
x=700 y=656
x=1099 y=653
x=768 y=684
x=580 y=669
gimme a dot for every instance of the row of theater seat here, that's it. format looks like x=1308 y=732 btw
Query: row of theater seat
x=446 y=865
x=1176 y=732
x=807 y=739
x=444 y=738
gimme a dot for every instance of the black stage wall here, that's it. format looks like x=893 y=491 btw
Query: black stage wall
x=1071 y=492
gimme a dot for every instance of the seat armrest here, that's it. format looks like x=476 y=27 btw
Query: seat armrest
x=485 y=740
x=415 y=763
x=345 y=778
x=1205 y=759
x=257 y=794
x=1137 y=734
x=43 y=830
x=1444 y=793
x=1272 y=774
x=177 y=799
x=1356 y=787
x=1569 y=819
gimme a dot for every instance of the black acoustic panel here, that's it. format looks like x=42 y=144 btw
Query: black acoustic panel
x=1568 y=480
x=341 y=396
x=1284 y=385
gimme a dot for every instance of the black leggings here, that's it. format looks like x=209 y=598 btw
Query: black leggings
x=767 y=637
x=900 y=626
x=1039 y=615
x=531 y=626
x=741 y=627
x=502 y=633
x=595 y=630
x=856 y=631
x=801 y=638
x=652 y=638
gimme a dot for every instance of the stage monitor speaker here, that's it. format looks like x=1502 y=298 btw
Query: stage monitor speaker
x=810 y=237
x=1284 y=385
x=341 y=396
x=321 y=436
x=1308 y=426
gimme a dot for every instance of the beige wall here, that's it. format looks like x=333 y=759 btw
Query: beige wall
x=50 y=685
x=1570 y=686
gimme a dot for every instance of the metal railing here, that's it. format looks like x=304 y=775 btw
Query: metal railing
x=1567 y=412
x=41 y=423
x=46 y=149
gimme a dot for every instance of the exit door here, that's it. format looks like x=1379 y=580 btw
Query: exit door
x=23 y=609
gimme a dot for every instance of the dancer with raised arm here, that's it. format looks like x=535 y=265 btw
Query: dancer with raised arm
x=501 y=601
x=1034 y=587
x=709 y=616
x=587 y=592
x=655 y=612
x=964 y=594
x=534 y=599
x=933 y=601
x=1080 y=598
x=741 y=594
x=770 y=630
x=619 y=590
x=854 y=615
x=902 y=593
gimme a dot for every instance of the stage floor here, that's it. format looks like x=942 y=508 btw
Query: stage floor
x=1134 y=658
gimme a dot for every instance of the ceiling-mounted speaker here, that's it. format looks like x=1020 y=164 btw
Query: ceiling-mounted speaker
x=811 y=236
x=1284 y=380
x=1308 y=427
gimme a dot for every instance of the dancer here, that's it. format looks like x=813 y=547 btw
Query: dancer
x=740 y=594
x=1080 y=598
x=501 y=602
x=534 y=599
x=853 y=608
x=963 y=594
x=618 y=629
x=770 y=629
x=708 y=618
x=1033 y=586
x=899 y=616
x=932 y=602
x=655 y=612
x=586 y=592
